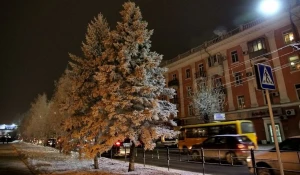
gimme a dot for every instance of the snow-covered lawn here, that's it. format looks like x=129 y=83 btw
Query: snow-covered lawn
x=47 y=160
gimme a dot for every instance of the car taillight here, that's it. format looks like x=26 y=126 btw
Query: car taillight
x=240 y=146
x=118 y=143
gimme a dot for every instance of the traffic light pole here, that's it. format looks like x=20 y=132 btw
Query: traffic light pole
x=274 y=132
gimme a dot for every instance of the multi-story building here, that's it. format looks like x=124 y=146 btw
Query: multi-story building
x=230 y=59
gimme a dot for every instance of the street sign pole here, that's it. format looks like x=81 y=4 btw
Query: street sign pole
x=274 y=132
x=265 y=81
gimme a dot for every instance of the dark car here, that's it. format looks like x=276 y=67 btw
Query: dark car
x=51 y=142
x=120 y=148
x=231 y=148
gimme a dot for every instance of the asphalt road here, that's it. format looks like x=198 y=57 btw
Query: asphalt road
x=178 y=161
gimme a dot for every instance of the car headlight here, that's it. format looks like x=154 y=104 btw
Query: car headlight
x=248 y=159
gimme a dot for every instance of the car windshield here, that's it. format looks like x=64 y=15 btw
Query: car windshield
x=243 y=139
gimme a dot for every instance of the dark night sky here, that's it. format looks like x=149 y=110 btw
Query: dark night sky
x=37 y=35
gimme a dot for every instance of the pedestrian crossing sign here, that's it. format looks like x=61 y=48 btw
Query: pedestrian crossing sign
x=264 y=77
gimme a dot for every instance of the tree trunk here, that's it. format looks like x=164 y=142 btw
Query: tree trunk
x=131 y=157
x=96 y=160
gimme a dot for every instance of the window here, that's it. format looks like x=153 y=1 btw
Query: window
x=234 y=57
x=209 y=141
x=214 y=130
x=247 y=127
x=187 y=73
x=238 y=78
x=220 y=140
x=201 y=68
x=189 y=91
x=196 y=132
x=182 y=134
x=291 y=144
x=228 y=129
x=297 y=86
x=241 y=102
x=288 y=37
x=174 y=77
x=257 y=45
x=213 y=60
x=190 y=110
x=294 y=62
x=175 y=98
x=218 y=82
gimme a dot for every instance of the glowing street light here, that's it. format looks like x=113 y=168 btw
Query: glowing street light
x=269 y=7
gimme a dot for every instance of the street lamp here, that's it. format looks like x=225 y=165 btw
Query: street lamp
x=269 y=7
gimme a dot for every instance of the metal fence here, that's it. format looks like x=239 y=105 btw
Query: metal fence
x=238 y=157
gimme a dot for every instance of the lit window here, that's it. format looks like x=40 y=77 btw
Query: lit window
x=238 y=78
x=294 y=62
x=190 y=110
x=174 y=76
x=297 y=86
x=234 y=56
x=288 y=37
x=241 y=102
x=188 y=73
x=257 y=45
x=189 y=91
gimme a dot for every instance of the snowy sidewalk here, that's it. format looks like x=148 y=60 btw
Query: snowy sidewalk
x=10 y=163
x=46 y=160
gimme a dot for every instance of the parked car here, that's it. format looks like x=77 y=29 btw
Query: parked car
x=267 y=161
x=51 y=142
x=120 y=148
x=231 y=148
x=167 y=142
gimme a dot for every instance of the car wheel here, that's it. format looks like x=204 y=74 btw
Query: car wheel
x=195 y=155
x=231 y=158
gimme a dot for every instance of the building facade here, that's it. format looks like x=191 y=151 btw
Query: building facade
x=230 y=60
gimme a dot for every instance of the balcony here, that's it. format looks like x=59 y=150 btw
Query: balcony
x=200 y=75
x=218 y=69
x=257 y=55
x=174 y=83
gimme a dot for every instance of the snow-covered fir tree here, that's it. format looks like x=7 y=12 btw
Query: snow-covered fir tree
x=130 y=84
x=208 y=99
x=82 y=126
x=84 y=68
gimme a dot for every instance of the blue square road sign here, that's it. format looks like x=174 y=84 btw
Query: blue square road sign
x=264 y=77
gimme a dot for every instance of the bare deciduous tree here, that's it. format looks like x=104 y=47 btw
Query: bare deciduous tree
x=207 y=100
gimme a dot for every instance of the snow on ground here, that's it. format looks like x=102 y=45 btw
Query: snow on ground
x=47 y=160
